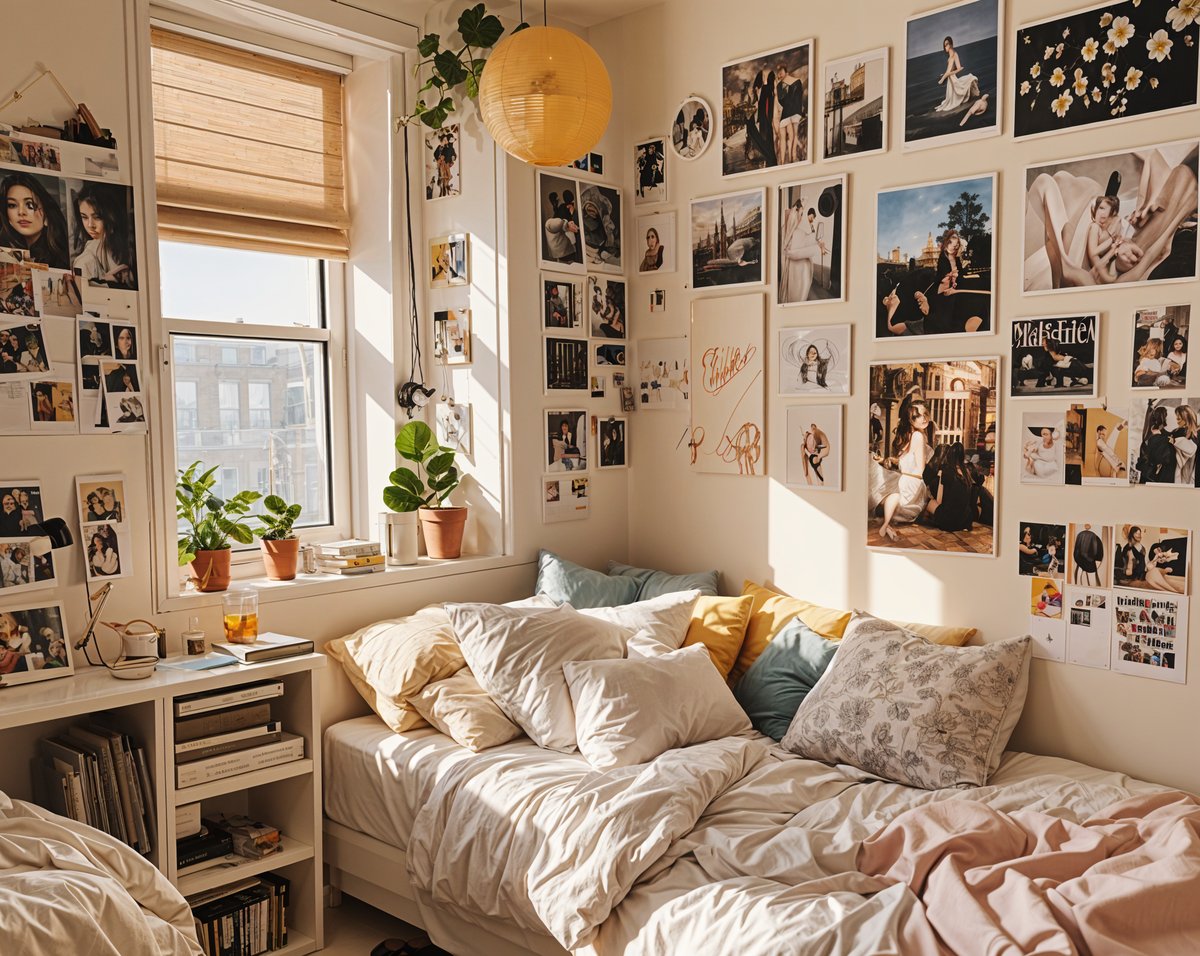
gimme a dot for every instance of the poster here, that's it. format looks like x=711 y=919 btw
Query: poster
x=1097 y=444
x=1150 y=635
x=1089 y=626
x=1055 y=356
x=815 y=448
x=1046 y=624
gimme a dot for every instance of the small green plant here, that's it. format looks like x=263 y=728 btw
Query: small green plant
x=436 y=475
x=276 y=523
x=211 y=521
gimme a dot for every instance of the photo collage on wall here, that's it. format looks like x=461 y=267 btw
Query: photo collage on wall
x=104 y=524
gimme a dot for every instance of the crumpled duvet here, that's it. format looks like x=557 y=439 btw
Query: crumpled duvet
x=67 y=887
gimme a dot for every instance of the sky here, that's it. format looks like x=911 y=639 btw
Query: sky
x=966 y=23
x=707 y=212
x=873 y=81
x=905 y=217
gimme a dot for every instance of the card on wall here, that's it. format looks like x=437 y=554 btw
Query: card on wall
x=1046 y=625
x=663 y=375
x=454 y=425
x=565 y=499
x=1043 y=460
x=1041 y=550
x=1089 y=626
x=1097 y=445
x=1089 y=554
x=814 y=361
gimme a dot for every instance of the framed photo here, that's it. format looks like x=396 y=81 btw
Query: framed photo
x=606 y=308
x=443 y=168
x=611 y=440
x=560 y=246
x=814 y=361
x=600 y=209
x=1160 y=347
x=1104 y=64
x=608 y=353
x=562 y=308
x=814 y=447
x=34 y=644
x=944 y=287
x=658 y=233
x=566 y=499
x=598 y=385
x=101 y=498
x=1150 y=558
x=1089 y=554
x=1164 y=435
x=650 y=171
x=566 y=441
x=663 y=376
x=1056 y=355
x=952 y=60
x=767 y=103
x=1150 y=635
x=449 y=261
x=1043 y=448
x=728 y=240
x=692 y=128
x=811 y=239
x=454 y=425
x=452 y=336
x=1097 y=445
x=566 y=366
x=933 y=443
x=1042 y=550
x=855 y=91
x=1116 y=219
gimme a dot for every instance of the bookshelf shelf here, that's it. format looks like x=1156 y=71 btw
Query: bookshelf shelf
x=243 y=781
x=294 y=851
x=298 y=945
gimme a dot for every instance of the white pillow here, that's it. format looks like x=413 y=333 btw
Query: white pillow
x=461 y=709
x=630 y=711
x=517 y=656
x=665 y=618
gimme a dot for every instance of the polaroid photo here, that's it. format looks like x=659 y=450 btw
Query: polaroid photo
x=34 y=644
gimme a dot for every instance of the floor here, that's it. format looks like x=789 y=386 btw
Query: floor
x=919 y=537
x=354 y=929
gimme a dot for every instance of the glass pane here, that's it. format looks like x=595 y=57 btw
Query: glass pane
x=280 y=445
x=209 y=283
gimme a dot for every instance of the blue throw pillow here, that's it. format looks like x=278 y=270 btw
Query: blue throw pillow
x=568 y=583
x=652 y=584
x=783 y=675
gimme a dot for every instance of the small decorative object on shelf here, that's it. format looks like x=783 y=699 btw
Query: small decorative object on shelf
x=240 y=610
x=193 y=639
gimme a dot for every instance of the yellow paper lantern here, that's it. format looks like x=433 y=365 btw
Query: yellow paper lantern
x=545 y=96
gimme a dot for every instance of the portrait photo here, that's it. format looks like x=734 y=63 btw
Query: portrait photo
x=18 y=567
x=814 y=447
x=1103 y=64
x=952 y=59
x=931 y=467
x=95 y=338
x=20 y=508
x=566 y=364
x=1097 y=445
x=606 y=308
x=103 y=248
x=126 y=413
x=23 y=354
x=1150 y=558
x=51 y=405
x=103 y=547
x=34 y=644
x=935 y=258
x=119 y=376
x=662 y=383
x=1150 y=636
x=101 y=498
x=452 y=336
x=657 y=233
x=561 y=245
x=1043 y=448
x=692 y=128
x=766 y=103
x=449 y=261
x=1042 y=550
x=442 y=169
x=650 y=171
x=125 y=342
x=1163 y=437
x=1160 y=347
x=611 y=439
x=814 y=361
x=1056 y=355
x=562 y=309
x=727 y=239
x=36 y=221
x=812 y=223
x=1089 y=554
x=600 y=211
x=566 y=441
x=855 y=104
x=1117 y=219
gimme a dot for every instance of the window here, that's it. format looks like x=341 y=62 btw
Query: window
x=229 y=353
x=229 y=406
x=259 y=402
x=187 y=414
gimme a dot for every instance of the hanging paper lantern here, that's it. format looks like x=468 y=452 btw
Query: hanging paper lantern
x=545 y=96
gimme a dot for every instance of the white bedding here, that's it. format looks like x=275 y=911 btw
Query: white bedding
x=64 y=881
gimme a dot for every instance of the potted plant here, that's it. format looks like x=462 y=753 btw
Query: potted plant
x=426 y=489
x=211 y=522
x=280 y=546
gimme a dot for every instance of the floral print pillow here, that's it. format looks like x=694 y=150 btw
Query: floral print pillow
x=916 y=713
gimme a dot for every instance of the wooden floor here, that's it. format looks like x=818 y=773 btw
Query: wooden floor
x=918 y=537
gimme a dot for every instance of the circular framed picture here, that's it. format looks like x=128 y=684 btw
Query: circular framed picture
x=692 y=128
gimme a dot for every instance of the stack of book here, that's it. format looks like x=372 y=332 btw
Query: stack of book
x=244 y=918
x=353 y=556
x=211 y=846
x=100 y=777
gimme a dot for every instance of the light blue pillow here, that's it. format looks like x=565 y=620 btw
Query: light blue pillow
x=567 y=583
x=776 y=684
x=652 y=584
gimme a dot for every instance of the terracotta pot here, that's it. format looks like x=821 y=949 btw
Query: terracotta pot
x=443 y=530
x=210 y=570
x=280 y=558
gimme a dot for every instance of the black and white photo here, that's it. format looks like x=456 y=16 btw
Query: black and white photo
x=650 y=171
x=566 y=368
x=814 y=361
x=1055 y=356
x=611 y=442
x=692 y=128
x=600 y=219
x=606 y=308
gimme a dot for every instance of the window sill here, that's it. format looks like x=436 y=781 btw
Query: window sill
x=315 y=585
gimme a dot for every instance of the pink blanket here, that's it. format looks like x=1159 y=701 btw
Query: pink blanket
x=1125 y=882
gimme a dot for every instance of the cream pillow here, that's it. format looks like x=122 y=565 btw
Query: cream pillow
x=461 y=709
x=630 y=711
x=665 y=618
x=517 y=655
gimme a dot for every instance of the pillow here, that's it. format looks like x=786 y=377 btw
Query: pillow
x=461 y=709
x=568 y=583
x=630 y=711
x=664 y=619
x=783 y=675
x=940 y=634
x=772 y=611
x=517 y=656
x=719 y=623
x=654 y=583
x=917 y=713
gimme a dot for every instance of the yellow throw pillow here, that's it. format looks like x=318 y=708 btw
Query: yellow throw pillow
x=461 y=709
x=940 y=634
x=391 y=661
x=771 y=611
x=719 y=623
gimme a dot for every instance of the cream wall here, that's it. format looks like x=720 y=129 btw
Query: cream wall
x=811 y=544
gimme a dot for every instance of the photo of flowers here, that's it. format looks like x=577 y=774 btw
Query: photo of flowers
x=1110 y=62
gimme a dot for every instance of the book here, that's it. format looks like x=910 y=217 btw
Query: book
x=267 y=647
x=365 y=561
x=350 y=548
x=65 y=753
x=147 y=794
x=210 y=843
x=288 y=748
x=223 y=743
x=206 y=663
x=222 y=721
x=106 y=764
x=187 y=820
x=216 y=700
x=222 y=859
x=374 y=569
x=251 y=838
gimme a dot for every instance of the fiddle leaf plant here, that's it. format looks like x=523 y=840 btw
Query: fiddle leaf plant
x=211 y=520
x=275 y=524
x=435 y=477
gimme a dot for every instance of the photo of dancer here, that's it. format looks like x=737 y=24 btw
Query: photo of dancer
x=766 y=104
x=1164 y=434
x=812 y=234
x=561 y=241
x=1089 y=554
x=442 y=169
x=855 y=91
x=1151 y=559
x=1160 y=347
x=932 y=455
x=692 y=129
x=33 y=644
x=1042 y=550
x=814 y=447
x=650 y=171
x=814 y=361
x=1097 y=446
x=1042 y=448
x=1053 y=356
x=1116 y=219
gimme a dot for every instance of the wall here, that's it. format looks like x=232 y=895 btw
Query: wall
x=811 y=545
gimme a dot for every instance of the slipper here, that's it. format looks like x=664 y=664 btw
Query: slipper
x=390 y=947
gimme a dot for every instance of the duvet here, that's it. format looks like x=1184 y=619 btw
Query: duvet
x=65 y=887
x=728 y=846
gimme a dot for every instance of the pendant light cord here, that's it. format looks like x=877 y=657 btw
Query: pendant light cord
x=416 y=370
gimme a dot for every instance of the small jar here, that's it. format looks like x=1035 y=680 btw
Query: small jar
x=240 y=606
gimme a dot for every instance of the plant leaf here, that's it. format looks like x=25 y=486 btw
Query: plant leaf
x=413 y=439
x=275 y=504
x=400 y=499
x=478 y=28
x=450 y=67
x=406 y=479
x=429 y=44
x=439 y=464
x=472 y=85
x=520 y=26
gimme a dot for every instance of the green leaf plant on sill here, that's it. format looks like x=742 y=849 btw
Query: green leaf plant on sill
x=212 y=523
x=280 y=546
x=425 y=490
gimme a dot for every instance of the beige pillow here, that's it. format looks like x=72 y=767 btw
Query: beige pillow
x=630 y=711
x=461 y=709
x=664 y=618
x=926 y=715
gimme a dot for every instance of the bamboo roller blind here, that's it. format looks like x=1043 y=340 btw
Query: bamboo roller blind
x=247 y=149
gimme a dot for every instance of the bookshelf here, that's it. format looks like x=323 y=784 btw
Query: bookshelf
x=287 y=795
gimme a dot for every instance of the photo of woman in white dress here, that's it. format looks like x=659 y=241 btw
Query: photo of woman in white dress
x=810 y=242
x=1042 y=457
x=962 y=88
x=902 y=493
